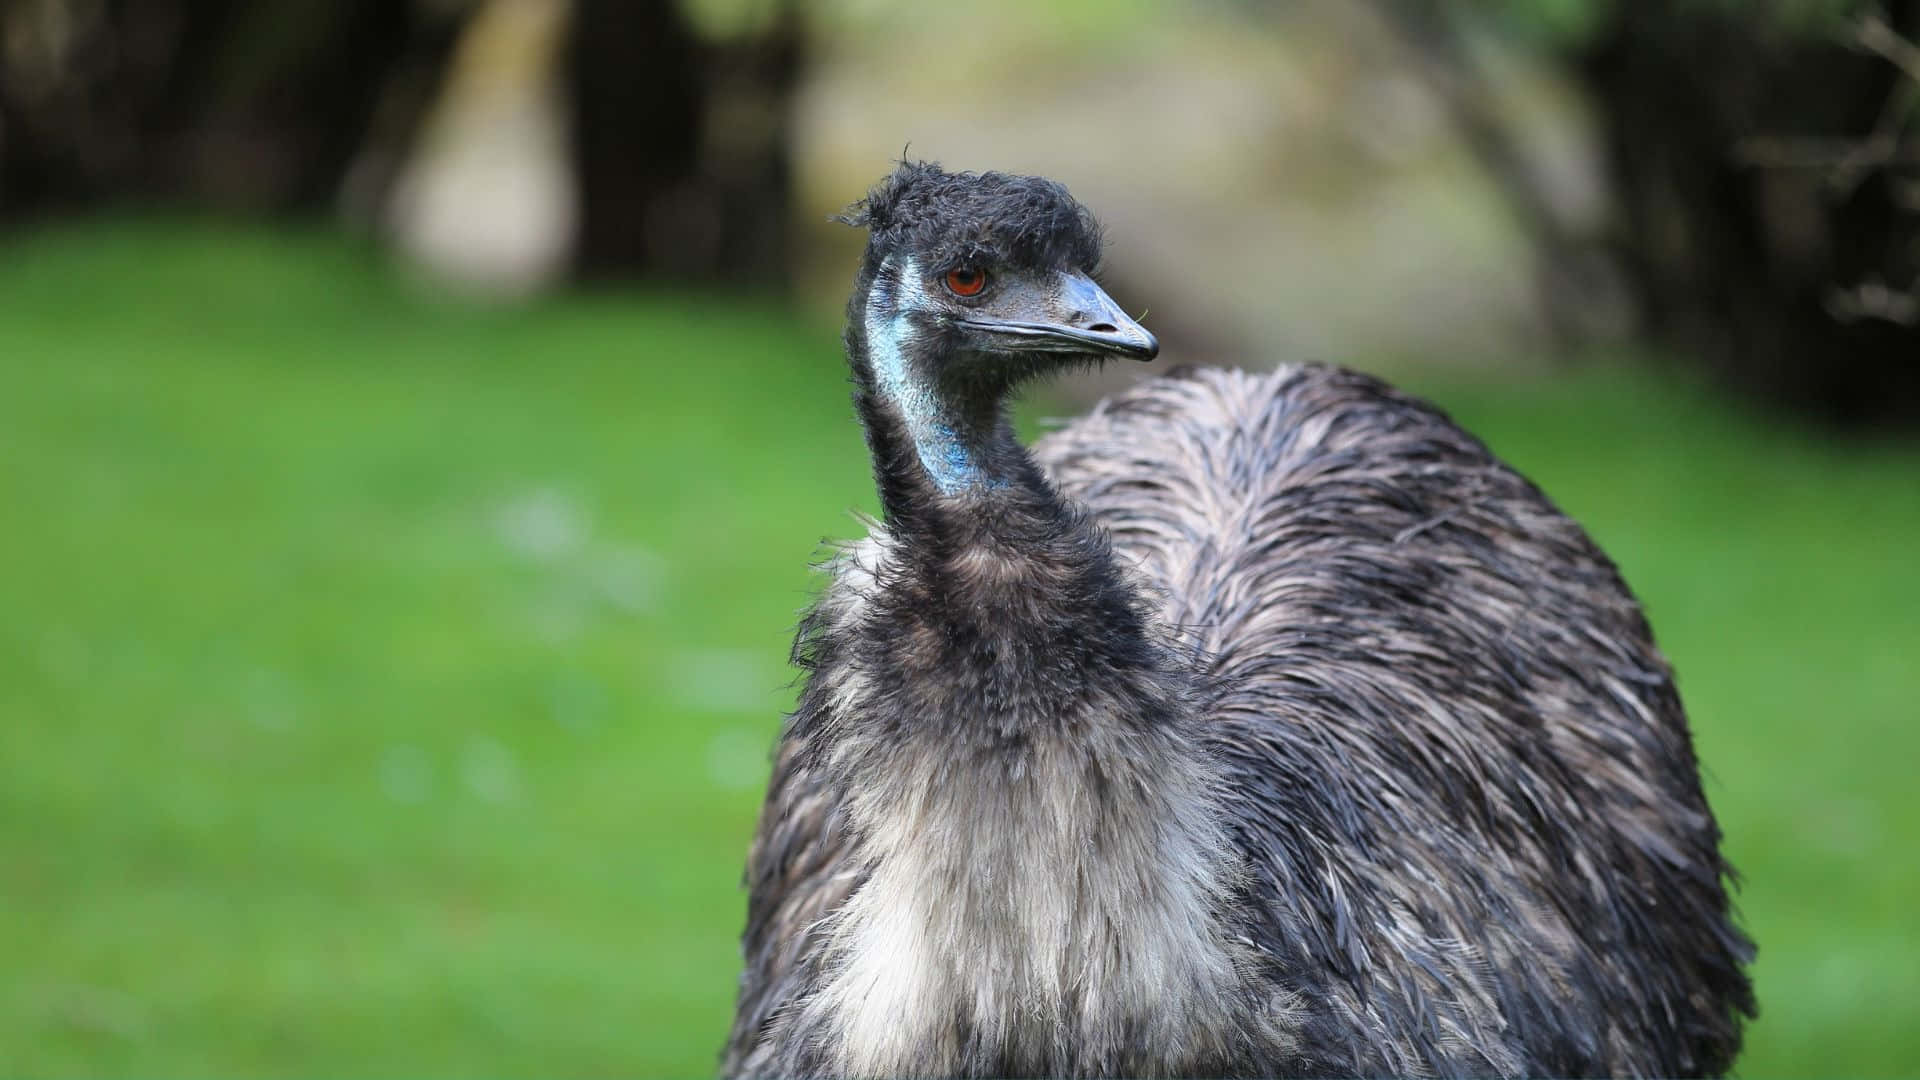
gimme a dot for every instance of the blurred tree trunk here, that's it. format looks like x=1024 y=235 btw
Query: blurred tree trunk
x=1768 y=171
x=679 y=146
x=682 y=146
x=1576 y=285
x=251 y=104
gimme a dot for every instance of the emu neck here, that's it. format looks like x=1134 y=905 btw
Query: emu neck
x=930 y=438
x=951 y=439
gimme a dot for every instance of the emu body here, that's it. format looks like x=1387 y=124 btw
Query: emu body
x=1251 y=725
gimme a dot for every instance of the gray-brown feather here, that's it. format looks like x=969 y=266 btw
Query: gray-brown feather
x=1462 y=822
x=1457 y=759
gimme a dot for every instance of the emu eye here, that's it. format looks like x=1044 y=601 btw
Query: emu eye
x=966 y=281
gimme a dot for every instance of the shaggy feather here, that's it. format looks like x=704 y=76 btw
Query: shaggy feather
x=1276 y=728
x=977 y=219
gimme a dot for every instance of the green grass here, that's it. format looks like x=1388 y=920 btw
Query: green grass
x=385 y=684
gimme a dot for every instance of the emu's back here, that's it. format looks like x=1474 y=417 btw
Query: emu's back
x=1460 y=772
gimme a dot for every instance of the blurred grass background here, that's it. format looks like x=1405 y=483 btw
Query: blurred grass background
x=386 y=683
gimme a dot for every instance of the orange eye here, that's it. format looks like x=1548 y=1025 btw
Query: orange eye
x=966 y=281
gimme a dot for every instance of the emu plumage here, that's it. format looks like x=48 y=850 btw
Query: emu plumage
x=1251 y=725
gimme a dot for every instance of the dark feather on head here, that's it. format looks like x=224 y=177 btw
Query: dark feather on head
x=977 y=219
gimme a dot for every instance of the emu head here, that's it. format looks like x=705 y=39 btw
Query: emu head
x=972 y=283
x=984 y=279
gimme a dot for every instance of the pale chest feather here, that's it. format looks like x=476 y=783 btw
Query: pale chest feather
x=1069 y=896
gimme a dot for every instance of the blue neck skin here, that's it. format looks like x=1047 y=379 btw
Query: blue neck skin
x=940 y=436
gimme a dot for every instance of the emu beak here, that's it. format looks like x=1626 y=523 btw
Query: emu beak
x=1069 y=314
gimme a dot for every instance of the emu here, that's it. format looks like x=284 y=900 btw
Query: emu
x=1251 y=725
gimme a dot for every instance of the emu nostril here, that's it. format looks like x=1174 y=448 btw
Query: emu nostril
x=1104 y=328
